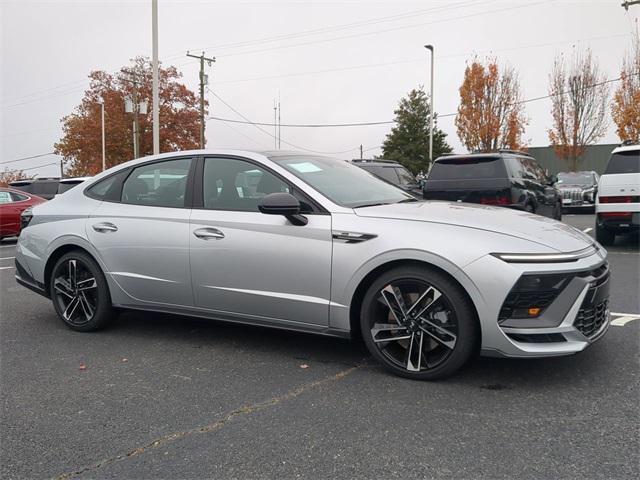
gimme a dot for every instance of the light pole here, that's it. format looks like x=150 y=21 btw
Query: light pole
x=430 y=48
x=155 y=81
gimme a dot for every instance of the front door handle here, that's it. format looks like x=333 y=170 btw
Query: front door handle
x=208 y=233
x=105 y=227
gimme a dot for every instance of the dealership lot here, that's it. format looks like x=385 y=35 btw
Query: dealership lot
x=164 y=397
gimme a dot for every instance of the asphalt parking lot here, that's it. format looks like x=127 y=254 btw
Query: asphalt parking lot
x=168 y=397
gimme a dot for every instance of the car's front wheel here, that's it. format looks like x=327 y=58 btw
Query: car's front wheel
x=80 y=293
x=418 y=323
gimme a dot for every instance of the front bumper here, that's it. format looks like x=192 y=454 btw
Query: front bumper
x=576 y=318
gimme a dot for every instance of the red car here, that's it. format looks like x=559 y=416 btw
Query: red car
x=12 y=204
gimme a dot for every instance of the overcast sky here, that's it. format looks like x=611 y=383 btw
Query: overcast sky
x=335 y=75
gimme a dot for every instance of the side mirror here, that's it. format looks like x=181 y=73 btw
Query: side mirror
x=283 y=204
x=553 y=179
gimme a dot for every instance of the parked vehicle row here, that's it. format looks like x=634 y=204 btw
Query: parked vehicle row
x=309 y=243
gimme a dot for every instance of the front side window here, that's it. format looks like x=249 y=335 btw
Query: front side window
x=160 y=184
x=342 y=182
x=406 y=177
x=385 y=173
x=234 y=184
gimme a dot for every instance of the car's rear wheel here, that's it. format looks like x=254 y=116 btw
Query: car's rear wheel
x=557 y=211
x=418 y=323
x=604 y=236
x=80 y=293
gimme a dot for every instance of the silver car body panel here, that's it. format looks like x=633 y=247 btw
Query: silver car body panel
x=266 y=271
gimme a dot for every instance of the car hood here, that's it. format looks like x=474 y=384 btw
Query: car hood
x=514 y=223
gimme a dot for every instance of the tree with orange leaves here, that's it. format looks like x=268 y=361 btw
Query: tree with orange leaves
x=9 y=176
x=579 y=95
x=491 y=113
x=626 y=99
x=81 y=144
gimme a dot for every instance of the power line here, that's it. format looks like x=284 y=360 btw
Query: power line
x=30 y=168
x=27 y=158
x=387 y=122
x=270 y=134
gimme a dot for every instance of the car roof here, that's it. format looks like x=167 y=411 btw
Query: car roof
x=626 y=148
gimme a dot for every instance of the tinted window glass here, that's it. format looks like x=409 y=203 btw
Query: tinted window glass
x=342 y=182
x=44 y=188
x=386 y=173
x=108 y=189
x=624 y=162
x=17 y=197
x=468 y=168
x=66 y=186
x=406 y=178
x=5 y=197
x=161 y=184
x=529 y=169
x=233 y=184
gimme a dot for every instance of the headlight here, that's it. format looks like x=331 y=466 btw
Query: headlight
x=546 y=257
x=25 y=217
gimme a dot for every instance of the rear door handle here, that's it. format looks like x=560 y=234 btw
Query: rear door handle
x=208 y=233
x=105 y=227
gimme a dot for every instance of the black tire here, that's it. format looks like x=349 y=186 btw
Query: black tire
x=605 y=237
x=455 y=326
x=83 y=304
x=529 y=208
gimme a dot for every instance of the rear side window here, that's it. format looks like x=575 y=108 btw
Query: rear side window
x=18 y=197
x=386 y=173
x=468 y=168
x=161 y=184
x=624 y=162
x=109 y=188
x=5 y=197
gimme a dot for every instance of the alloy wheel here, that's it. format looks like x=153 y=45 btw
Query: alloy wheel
x=76 y=292
x=414 y=325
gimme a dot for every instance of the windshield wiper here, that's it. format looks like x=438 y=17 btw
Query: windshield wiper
x=371 y=205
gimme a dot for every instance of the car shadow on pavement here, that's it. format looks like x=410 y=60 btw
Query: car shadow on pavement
x=487 y=373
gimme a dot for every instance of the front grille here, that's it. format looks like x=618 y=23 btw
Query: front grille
x=574 y=194
x=589 y=320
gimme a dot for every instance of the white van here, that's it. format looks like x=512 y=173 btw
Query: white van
x=618 y=201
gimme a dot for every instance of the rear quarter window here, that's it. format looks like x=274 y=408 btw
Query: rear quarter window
x=468 y=168
x=624 y=162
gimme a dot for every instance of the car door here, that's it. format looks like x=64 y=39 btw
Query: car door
x=9 y=215
x=536 y=189
x=143 y=237
x=252 y=264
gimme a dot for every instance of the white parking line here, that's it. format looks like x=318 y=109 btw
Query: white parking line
x=587 y=230
x=623 y=318
x=5 y=268
x=7 y=258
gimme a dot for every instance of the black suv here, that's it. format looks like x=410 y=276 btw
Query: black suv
x=392 y=172
x=43 y=187
x=506 y=178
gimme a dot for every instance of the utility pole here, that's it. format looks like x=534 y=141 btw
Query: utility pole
x=155 y=94
x=627 y=4
x=203 y=81
x=275 y=124
x=360 y=151
x=431 y=113
x=104 y=147
x=135 y=109
x=61 y=169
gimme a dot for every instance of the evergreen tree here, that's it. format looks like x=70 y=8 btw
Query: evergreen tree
x=408 y=141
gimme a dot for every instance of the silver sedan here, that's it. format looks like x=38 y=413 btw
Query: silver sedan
x=314 y=244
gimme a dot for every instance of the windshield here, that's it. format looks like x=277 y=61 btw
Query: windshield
x=468 y=168
x=341 y=182
x=624 y=162
x=575 y=178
